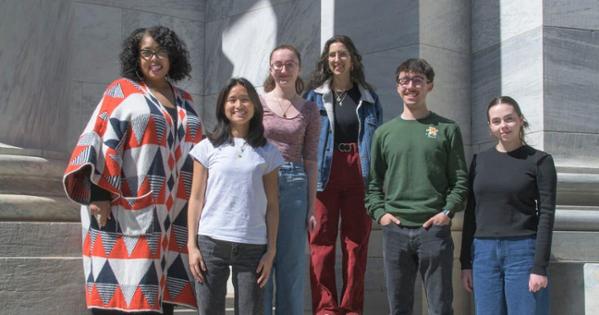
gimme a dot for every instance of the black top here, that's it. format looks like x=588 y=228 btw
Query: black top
x=511 y=195
x=346 y=116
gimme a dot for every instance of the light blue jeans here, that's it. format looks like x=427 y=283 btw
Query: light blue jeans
x=501 y=270
x=289 y=268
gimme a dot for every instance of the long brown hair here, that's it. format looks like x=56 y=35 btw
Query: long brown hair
x=269 y=83
x=512 y=102
x=323 y=73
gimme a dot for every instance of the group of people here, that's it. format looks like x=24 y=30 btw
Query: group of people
x=168 y=214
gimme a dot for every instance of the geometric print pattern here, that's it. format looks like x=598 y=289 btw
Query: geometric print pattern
x=132 y=148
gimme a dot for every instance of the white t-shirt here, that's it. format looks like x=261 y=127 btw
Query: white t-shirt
x=235 y=201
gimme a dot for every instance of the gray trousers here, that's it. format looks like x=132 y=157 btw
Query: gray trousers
x=242 y=259
x=408 y=252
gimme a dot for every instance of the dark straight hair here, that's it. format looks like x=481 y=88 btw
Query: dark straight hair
x=512 y=102
x=269 y=83
x=222 y=132
x=323 y=73
x=416 y=65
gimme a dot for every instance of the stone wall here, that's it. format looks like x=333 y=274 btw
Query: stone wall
x=57 y=57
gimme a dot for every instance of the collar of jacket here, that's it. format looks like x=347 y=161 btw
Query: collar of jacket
x=365 y=94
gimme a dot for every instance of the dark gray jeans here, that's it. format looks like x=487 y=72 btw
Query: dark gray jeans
x=243 y=260
x=409 y=251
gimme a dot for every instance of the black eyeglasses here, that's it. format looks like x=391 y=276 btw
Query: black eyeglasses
x=417 y=81
x=147 y=54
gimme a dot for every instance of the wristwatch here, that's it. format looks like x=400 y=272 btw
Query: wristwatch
x=448 y=213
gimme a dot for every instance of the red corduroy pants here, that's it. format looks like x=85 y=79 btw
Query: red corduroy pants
x=342 y=202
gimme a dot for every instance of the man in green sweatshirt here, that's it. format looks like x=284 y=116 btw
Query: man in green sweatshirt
x=418 y=180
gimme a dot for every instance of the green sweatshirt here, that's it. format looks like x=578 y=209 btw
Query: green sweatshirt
x=417 y=169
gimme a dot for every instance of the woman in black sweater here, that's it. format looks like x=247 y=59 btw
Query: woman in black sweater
x=508 y=223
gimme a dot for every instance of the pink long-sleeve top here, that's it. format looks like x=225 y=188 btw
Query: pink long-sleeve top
x=296 y=137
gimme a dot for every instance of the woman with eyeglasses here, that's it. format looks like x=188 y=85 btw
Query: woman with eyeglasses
x=508 y=223
x=292 y=124
x=131 y=173
x=349 y=114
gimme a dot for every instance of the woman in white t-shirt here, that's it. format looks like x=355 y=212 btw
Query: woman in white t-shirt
x=233 y=210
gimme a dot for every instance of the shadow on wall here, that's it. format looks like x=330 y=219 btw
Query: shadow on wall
x=241 y=34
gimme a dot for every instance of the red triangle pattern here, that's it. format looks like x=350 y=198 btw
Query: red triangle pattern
x=142 y=249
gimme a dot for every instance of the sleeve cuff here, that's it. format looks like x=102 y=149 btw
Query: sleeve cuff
x=539 y=270
x=378 y=214
x=466 y=265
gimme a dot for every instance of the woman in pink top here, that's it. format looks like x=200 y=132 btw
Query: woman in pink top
x=293 y=125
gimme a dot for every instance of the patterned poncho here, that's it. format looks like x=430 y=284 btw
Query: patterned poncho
x=132 y=148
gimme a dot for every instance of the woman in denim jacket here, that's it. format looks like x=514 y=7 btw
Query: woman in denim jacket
x=349 y=114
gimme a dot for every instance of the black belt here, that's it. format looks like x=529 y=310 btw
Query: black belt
x=346 y=147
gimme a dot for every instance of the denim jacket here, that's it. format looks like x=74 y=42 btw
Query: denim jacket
x=370 y=116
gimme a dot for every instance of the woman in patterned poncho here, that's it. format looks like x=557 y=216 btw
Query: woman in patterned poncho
x=131 y=172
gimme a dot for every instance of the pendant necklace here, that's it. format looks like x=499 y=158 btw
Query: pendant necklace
x=340 y=96
x=242 y=149
x=284 y=112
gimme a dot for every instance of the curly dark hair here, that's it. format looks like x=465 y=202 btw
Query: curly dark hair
x=323 y=73
x=222 y=131
x=167 y=39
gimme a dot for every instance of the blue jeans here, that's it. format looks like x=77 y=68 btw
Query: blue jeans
x=289 y=268
x=410 y=251
x=243 y=260
x=501 y=270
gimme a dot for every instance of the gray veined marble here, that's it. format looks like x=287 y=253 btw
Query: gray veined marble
x=578 y=14
x=379 y=24
x=192 y=10
x=513 y=69
x=208 y=113
x=571 y=73
x=34 y=66
x=446 y=25
x=573 y=149
x=496 y=21
x=219 y=9
x=96 y=43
